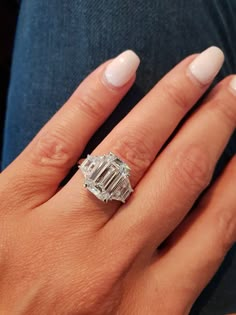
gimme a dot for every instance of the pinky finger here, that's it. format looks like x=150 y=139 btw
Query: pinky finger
x=197 y=248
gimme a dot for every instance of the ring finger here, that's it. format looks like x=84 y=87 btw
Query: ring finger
x=142 y=133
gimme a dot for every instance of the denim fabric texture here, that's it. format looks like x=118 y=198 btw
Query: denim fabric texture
x=58 y=43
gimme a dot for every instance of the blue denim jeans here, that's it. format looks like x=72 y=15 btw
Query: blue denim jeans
x=59 y=42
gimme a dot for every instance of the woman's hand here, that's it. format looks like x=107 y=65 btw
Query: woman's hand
x=62 y=251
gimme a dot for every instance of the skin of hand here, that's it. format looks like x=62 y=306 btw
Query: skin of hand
x=63 y=251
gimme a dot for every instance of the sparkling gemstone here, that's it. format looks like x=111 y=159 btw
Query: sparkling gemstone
x=106 y=177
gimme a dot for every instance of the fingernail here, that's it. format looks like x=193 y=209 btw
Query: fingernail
x=206 y=66
x=122 y=68
x=232 y=85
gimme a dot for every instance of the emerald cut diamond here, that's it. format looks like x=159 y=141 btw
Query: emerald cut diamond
x=106 y=177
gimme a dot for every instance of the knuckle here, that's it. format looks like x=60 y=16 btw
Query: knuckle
x=90 y=105
x=225 y=227
x=192 y=168
x=51 y=149
x=175 y=95
x=226 y=110
x=135 y=151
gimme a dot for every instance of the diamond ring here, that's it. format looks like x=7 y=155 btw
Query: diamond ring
x=107 y=177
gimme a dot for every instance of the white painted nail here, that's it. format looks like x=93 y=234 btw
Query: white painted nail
x=232 y=84
x=206 y=66
x=122 y=68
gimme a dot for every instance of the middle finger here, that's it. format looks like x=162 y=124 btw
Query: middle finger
x=181 y=172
